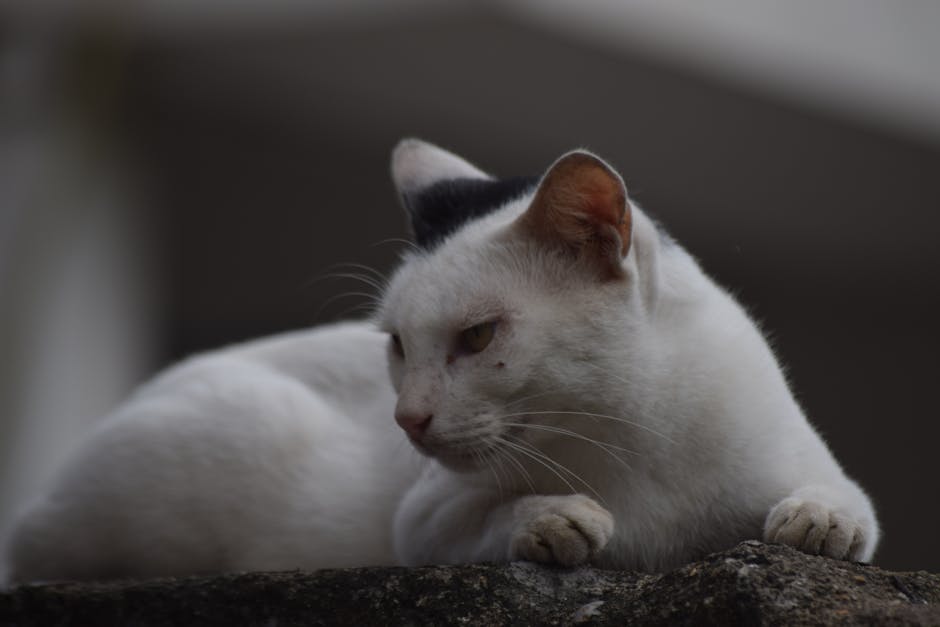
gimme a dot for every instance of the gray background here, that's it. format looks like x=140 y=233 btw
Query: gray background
x=251 y=159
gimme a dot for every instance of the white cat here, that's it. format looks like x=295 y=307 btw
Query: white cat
x=584 y=391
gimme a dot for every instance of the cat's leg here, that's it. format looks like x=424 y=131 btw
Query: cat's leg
x=444 y=520
x=567 y=529
x=823 y=520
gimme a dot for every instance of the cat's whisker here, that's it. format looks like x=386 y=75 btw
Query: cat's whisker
x=368 y=308
x=574 y=434
x=593 y=415
x=371 y=300
x=526 y=475
x=507 y=453
x=353 y=264
x=397 y=240
x=378 y=281
x=527 y=449
x=363 y=278
x=497 y=463
x=607 y=371
x=535 y=458
x=530 y=397
x=485 y=460
x=467 y=438
x=361 y=266
x=607 y=448
x=502 y=456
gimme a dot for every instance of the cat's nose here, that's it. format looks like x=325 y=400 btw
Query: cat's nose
x=414 y=424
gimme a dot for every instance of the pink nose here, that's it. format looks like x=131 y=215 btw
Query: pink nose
x=414 y=425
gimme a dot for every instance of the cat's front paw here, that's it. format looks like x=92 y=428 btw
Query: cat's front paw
x=567 y=530
x=813 y=527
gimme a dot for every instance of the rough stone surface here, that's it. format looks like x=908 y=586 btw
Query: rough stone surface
x=751 y=584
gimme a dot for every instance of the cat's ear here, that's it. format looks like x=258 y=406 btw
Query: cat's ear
x=581 y=206
x=440 y=191
x=417 y=165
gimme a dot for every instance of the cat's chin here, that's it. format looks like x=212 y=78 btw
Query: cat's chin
x=460 y=463
x=465 y=462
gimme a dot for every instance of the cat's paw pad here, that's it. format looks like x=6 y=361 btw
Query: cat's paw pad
x=566 y=530
x=815 y=528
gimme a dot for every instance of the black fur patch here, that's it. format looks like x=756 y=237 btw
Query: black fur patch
x=442 y=208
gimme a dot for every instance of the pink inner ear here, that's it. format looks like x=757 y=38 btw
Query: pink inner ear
x=604 y=200
x=580 y=204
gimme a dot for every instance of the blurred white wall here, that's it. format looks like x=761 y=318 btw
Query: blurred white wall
x=76 y=321
x=871 y=59
x=875 y=60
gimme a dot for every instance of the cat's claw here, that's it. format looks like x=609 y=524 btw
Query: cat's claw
x=815 y=528
x=567 y=530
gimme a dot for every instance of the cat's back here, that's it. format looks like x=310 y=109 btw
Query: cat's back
x=326 y=361
x=236 y=458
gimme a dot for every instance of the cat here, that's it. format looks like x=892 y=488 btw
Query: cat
x=569 y=387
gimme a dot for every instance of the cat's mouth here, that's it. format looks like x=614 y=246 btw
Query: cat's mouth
x=456 y=457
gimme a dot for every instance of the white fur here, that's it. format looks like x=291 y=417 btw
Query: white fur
x=272 y=455
x=417 y=164
x=653 y=425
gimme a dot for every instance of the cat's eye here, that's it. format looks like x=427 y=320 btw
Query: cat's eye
x=477 y=337
x=397 y=346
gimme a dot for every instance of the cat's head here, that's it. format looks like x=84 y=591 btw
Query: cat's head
x=515 y=302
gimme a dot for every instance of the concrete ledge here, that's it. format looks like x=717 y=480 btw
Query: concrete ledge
x=751 y=584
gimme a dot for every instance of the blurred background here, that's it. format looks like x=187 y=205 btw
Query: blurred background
x=179 y=174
